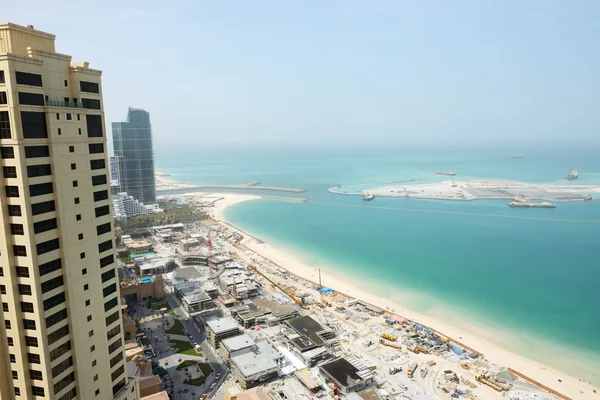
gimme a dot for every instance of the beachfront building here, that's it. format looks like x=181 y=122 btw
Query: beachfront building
x=348 y=375
x=133 y=144
x=309 y=339
x=244 y=287
x=62 y=333
x=126 y=206
x=235 y=346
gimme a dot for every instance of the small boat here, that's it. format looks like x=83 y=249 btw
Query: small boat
x=368 y=196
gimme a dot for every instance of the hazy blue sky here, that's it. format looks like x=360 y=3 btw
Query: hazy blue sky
x=289 y=71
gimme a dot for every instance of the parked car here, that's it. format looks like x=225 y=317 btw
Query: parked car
x=213 y=385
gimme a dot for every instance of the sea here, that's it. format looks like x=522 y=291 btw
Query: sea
x=530 y=285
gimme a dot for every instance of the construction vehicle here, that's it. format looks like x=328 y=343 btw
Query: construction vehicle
x=372 y=367
x=485 y=381
x=412 y=368
x=394 y=371
x=465 y=366
x=420 y=349
x=424 y=372
x=389 y=337
x=390 y=344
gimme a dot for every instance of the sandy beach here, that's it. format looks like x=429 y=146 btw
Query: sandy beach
x=474 y=338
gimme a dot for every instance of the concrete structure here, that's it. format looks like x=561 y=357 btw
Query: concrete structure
x=236 y=345
x=149 y=385
x=126 y=206
x=245 y=288
x=236 y=393
x=153 y=265
x=133 y=143
x=346 y=376
x=258 y=366
x=262 y=311
x=308 y=339
x=221 y=328
x=139 y=247
x=139 y=289
x=62 y=329
x=193 y=298
x=158 y=396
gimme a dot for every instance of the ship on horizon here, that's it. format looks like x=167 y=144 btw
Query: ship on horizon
x=368 y=196
x=450 y=173
x=516 y=156
x=573 y=175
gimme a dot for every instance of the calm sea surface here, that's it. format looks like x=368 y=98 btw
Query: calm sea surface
x=534 y=282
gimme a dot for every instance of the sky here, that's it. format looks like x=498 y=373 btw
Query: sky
x=349 y=72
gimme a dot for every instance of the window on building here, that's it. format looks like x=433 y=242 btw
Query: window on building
x=102 y=210
x=29 y=323
x=104 y=228
x=108 y=260
x=15 y=375
x=107 y=291
x=19 y=250
x=80 y=236
x=95 y=377
x=52 y=284
x=60 y=350
x=31 y=99
x=44 y=226
x=96 y=148
x=17 y=391
x=7 y=324
x=11 y=191
x=35 y=375
x=112 y=318
x=34 y=125
x=56 y=318
x=12 y=358
x=89 y=318
x=91 y=333
x=116 y=359
x=36 y=151
x=117 y=373
x=87 y=303
x=66 y=84
x=2 y=77
x=24 y=289
x=62 y=367
x=22 y=272
x=38 y=391
x=50 y=266
x=3 y=98
x=94 y=125
x=101 y=195
x=97 y=164
x=9 y=172
x=69 y=117
x=4 y=125
x=78 y=217
x=38 y=170
x=2 y=289
x=9 y=339
x=7 y=152
x=97 y=392
x=14 y=210
x=33 y=358
x=104 y=246
x=108 y=275
x=71 y=149
x=75 y=184
x=86 y=287
x=43 y=207
x=16 y=229
x=98 y=180
x=54 y=301
x=59 y=131
x=79 y=131
x=76 y=200
x=40 y=189
x=89 y=87
x=27 y=78
x=47 y=246
x=110 y=304
x=92 y=104
x=113 y=332
x=84 y=271
x=92 y=348
x=82 y=255
x=26 y=307
x=58 y=334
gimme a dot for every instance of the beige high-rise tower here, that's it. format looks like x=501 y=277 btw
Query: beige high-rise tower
x=61 y=330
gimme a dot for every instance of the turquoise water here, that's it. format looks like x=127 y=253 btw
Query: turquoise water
x=535 y=282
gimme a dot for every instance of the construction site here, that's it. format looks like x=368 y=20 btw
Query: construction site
x=307 y=340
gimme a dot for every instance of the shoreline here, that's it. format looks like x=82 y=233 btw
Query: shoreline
x=570 y=386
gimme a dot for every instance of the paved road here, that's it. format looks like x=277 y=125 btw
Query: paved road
x=198 y=337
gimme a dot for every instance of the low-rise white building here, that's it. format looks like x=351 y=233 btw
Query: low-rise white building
x=125 y=206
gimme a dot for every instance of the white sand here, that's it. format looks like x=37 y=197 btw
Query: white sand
x=570 y=386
